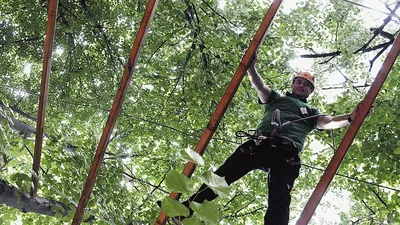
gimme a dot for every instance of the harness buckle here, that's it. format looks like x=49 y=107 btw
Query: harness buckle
x=292 y=161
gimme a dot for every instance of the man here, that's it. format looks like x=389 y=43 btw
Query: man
x=277 y=153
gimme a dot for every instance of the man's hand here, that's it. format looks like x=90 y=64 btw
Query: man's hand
x=354 y=112
x=333 y=122
x=253 y=61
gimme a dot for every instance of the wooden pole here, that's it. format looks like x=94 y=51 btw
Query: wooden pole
x=115 y=110
x=227 y=97
x=44 y=89
x=348 y=138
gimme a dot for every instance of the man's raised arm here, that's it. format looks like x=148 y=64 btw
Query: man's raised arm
x=263 y=91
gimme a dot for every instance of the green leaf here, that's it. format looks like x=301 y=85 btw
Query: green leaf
x=53 y=207
x=13 y=217
x=13 y=177
x=191 y=221
x=173 y=207
x=18 y=195
x=59 y=215
x=4 y=122
x=192 y=156
x=27 y=141
x=178 y=182
x=86 y=216
x=397 y=151
x=216 y=183
x=206 y=211
x=67 y=218
x=71 y=206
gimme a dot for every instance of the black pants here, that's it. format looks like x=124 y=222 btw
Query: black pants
x=283 y=164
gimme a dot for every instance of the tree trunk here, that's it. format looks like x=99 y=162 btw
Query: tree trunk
x=16 y=198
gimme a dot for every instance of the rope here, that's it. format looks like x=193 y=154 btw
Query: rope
x=301 y=119
x=258 y=136
x=243 y=134
x=333 y=140
x=354 y=179
x=367 y=7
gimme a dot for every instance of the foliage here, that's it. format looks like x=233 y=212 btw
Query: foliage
x=178 y=182
x=216 y=183
x=207 y=211
x=174 y=208
x=187 y=61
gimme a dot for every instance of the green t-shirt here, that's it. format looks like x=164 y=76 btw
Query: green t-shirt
x=291 y=109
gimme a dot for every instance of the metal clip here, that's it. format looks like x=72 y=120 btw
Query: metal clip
x=248 y=151
x=291 y=161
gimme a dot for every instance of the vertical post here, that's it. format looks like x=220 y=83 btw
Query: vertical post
x=115 y=110
x=227 y=97
x=348 y=138
x=44 y=88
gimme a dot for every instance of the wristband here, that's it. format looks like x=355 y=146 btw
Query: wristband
x=349 y=119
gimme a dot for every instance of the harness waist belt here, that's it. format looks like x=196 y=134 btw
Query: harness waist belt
x=287 y=141
x=281 y=139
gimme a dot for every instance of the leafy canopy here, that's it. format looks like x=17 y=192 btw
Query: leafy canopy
x=188 y=59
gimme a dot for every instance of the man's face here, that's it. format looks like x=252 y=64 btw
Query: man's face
x=302 y=87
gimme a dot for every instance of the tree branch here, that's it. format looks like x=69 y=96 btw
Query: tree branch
x=28 y=39
x=145 y=182
x=16 y=198
x=378 y=196
x=20 y=127
x=17 y=110
x=378 y=30
x=321 y=55
x=208 y=5
x=364 y=48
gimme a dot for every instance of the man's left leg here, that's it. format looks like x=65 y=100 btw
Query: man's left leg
x=280 y=183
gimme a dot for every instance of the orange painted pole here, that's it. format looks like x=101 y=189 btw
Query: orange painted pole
x=227 y=97
x=348 y=138
x=115 y=110
x=44 y=89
